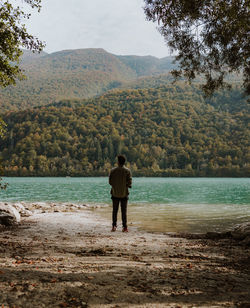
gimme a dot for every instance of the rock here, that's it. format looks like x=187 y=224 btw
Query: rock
x=241 y=231
x=22 y=210
x=6 y=219
x=9 y=215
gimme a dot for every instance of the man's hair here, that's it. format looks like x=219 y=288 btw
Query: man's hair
x=121 y=159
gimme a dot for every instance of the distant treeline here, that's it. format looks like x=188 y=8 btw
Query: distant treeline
x=166 y=131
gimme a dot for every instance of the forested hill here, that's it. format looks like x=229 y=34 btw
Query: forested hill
x=148 y=65
x=80 y=73
x=168 y=131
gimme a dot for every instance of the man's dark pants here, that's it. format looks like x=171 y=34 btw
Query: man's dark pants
x=124 y=202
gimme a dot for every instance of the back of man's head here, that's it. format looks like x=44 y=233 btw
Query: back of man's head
x=121 y=160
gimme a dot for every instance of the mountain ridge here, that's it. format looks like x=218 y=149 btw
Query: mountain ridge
x=76 y=73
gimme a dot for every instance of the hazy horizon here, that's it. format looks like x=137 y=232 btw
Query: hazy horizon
x=96 y=48
x=119 y=27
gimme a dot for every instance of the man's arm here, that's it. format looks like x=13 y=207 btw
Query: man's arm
x=129 y=179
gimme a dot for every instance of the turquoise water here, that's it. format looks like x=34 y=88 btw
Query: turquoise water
x=155 y=204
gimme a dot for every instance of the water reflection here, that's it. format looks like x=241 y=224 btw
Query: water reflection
x=183 y=217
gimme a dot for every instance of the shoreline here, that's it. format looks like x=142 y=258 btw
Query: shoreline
x=71 y=259
x=180 y=228
x=247 y=176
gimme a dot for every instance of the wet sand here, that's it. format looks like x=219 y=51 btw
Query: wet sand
x=70 y=258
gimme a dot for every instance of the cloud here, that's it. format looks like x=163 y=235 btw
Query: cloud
x=118 y=26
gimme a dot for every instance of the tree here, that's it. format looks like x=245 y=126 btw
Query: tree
x=210 y=36
x=13 y=37
x=2 y=127
x=2 y=130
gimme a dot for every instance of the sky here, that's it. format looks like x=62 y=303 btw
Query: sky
x=118 y=26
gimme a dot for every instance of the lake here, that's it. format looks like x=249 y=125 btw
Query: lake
x=155 y=204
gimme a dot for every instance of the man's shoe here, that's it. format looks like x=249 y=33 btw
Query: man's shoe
x=125 y=229
x=113 y=229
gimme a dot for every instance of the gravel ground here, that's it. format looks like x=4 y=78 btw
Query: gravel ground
x=70 y=258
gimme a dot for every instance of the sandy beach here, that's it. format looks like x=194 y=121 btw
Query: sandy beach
x=69 y=258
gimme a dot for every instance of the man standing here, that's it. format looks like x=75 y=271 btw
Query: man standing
x=120 y=179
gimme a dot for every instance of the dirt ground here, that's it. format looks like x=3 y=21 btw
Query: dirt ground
x=71 y=259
